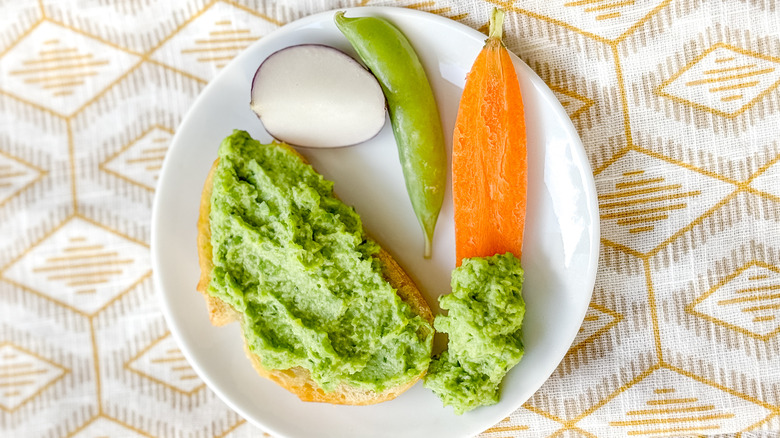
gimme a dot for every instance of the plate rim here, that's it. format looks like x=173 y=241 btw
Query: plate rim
x=577 y=149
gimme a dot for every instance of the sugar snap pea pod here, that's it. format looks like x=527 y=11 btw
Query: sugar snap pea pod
x=413 y=112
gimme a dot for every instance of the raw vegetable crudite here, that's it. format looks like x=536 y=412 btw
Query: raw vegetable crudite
x=486 y=306
x=489 y=166
x=316 y=96
x=413 y=112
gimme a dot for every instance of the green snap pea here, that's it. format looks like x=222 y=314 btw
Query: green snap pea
x=413 y=112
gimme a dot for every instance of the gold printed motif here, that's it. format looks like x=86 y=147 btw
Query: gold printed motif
x=61 y=74
x=139 y=161
x=646 y=206
x=162 y=362
x=208 y=39
x=79 y=266
x=740 y=301
x=428 y=6
x=709 y=81
x=24 y=375
x=227 y=47
x=505 y=426
x=16 y=175
x=652 y=406
x=598 y=321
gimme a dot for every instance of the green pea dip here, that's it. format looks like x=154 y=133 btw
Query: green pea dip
x=297 y=264
x=485 y=315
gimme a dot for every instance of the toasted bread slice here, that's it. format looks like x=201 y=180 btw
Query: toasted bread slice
x=297 y=380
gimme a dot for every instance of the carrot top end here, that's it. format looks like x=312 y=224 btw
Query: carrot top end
x=496 y=24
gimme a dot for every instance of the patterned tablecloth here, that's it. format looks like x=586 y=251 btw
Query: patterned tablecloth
x=678 y=106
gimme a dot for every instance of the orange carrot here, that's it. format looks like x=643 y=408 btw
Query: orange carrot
x=489 y=165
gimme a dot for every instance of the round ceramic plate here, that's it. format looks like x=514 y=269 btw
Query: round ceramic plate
x=559 y=257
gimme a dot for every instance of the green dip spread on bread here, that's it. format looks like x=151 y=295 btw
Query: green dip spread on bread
x=325 y=312
x=295 y=262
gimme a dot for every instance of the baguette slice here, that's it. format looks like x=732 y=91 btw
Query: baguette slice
x=298 y=380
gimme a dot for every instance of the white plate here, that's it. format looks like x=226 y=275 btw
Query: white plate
x=560 y=249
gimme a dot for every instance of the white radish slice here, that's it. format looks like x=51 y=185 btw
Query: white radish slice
x=316 y=96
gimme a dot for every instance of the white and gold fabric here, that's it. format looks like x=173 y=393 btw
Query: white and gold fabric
x=676 y=101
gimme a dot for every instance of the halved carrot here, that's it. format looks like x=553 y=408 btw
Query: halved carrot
x=489 y=165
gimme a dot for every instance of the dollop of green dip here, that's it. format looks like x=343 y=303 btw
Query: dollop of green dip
x=485 y=314
x=295 y=261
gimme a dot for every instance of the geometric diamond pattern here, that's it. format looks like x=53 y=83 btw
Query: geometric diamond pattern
x=139 y=162
x=573 y=103
x=665 y=403
x=24 y=375
x=598 y=320
x=724 y=79
x=505 y=428
x=60 y=68
x=81 y=265
x=766 y=181
x=132 y=24
x=212 y=39
x=163 y=362
x=15 y=176
x=103 y=427
x=644 y=205
x=748 y=301
x=510 y=428
x=605 y=19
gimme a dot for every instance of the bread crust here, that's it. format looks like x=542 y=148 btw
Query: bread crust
x=298 y=380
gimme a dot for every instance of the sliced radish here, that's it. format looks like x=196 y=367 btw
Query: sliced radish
x=317 y=96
